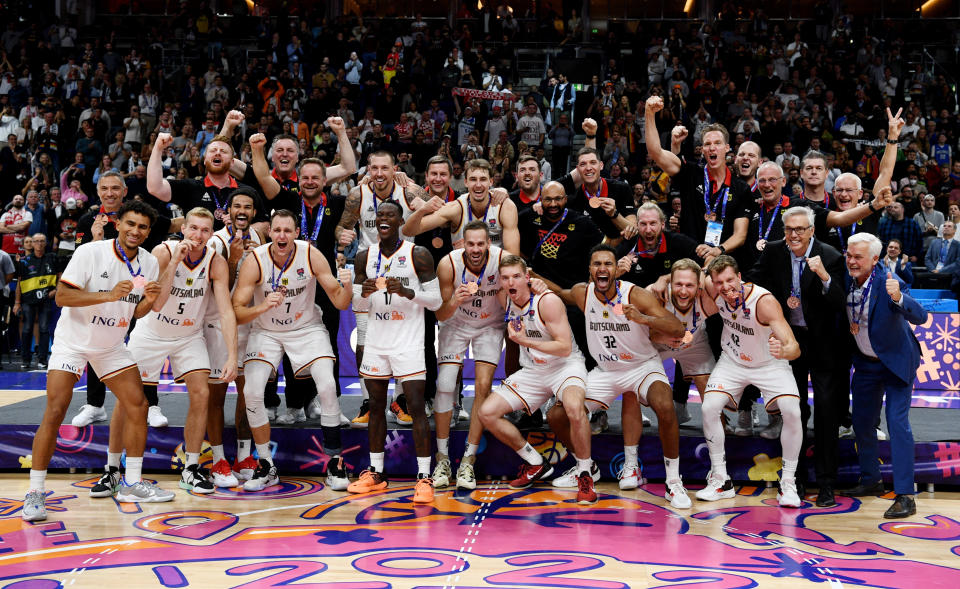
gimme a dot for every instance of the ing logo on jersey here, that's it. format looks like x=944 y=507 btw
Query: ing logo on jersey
x=745 y=357
x=626 y=356
x=188 y=323
x=298 y=315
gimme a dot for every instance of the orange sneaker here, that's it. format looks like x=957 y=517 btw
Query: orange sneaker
x=423 y=492
x=400 y=415
x=370 y=480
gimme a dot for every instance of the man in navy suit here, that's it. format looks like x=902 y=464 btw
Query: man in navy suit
x=943 y=259
x=886 y=358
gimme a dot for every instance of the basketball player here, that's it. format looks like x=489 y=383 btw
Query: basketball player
x=551 y=364
x=501 y=219
x=362 y=206
x=470 y=316
x=281 y=278
x=396 y=282
x=684 y=298
x=620 y=317
x=104 y=286
x=233 y=243
x=757 y=344
x=189 y=272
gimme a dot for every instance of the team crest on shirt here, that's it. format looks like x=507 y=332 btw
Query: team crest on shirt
x=177 y=274
x=570 y=227
x=202 y=271
x=301 y=275
x=606 y=315
x=189 y=281
x=402 y=261
x=491 y=279
x=284 y=281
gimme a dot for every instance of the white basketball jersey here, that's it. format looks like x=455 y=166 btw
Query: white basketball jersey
x=220 y=242
x=492 y=220
x=98 y=267
x=298 y=309
x=395 y=323
x=694 y=319
x=744 y=338
x=615 y=342
x=368 y=213
x=534 y=328
x=183 y=311
x=482 y=309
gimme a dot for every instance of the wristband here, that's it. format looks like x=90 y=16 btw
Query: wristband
x=722 y=249
x=594 y=136
x=893 y=141
x=870 y=206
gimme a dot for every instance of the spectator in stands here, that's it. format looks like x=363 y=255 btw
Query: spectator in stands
x=905 y=231
x=929 y=219
x=14 y=224
x=942 y=260
x=898 y=263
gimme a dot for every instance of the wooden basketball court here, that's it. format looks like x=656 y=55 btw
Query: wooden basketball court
x=301 y=534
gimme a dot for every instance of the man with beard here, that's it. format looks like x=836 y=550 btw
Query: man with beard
x=98 y=225
x=469 y=286
x=286 y=321
x=191 y=273
x=714 y=201
x=97 y=288
x=210 y=193
x=233 y=242
x=757 y=343
x=476 y=204
x=405 y=273
x=361 y=207
x=529 y=176
x=608 y=202
x=620 y=317
x=14 y=223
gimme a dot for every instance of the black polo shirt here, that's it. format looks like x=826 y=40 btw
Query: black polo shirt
x=520 y=199
x=189 y=194
x=618 y=190
x=564 y=256
x=648 y=267
x=837 y=237
x=158 y=232
x=442 y=233
x=333 y=209
x=291 y=184
x=689 y=183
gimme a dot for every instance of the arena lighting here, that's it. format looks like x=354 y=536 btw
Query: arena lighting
x=927 y=4
x=479 y=4
x=688 y=7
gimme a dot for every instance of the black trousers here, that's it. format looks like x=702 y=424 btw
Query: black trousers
x=831 y=391
x=430 y=354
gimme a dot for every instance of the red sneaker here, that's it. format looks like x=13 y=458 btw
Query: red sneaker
x=245 y=468
x=529 y=474
x=585 y=493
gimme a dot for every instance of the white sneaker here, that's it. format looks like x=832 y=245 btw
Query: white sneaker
x=646 y=420
x=717 y=488
x=89 y=414
x=881 y=435
x=466 y=479
x=772 y=431
x=744 y=423
x=677 y=495
x=631 y=477
x=265 y=476
x=428 y=408
x=683 y=414
x=291 y=416
x=461 y=413
x=344 y=420
x=845 y=432
x=156 y=418
x=271 y=414
x=337 y=478
x=442 y=473
x=143 y=492
x=34 y=507
x=568 y=480
x=787 y=496
x=312 y=410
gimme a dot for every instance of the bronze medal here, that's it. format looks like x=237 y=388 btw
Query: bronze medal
x=437 y=242
x=280 y=289
x=381 y=282
x=472 y=287
x=793 y=302
x=618 y=309
x=687 y=338
x=854 y=328
x=761 y=243
x=594 y=202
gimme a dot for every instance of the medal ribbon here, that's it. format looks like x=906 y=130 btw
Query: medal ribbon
x=587 y=192
x=619 y=295
x=721 y=198
x=379 y=257
x=126 y=260
x=549 y=233
x=483 y=269
x=856 y=316
x=763 y=234
x=470 y=209
x=274 y=277
x=843 y=242
x=303 y=218
x=507 y=317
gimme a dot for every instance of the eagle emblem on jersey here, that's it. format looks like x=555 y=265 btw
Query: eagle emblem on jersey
x=189 y=281
x=284 y=281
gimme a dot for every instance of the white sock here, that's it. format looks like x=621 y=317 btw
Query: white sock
x=423 y=466
x=38 y=480
x=376 y=461
x=113 y=459
x=134 y=470
x=263 y=451
x=672 y=466
x=629 y=456
x=217 y=453
x=243 y=449
x=443 y=446
x=471 y=450
x=530 y=455
x=789 y=469
x=718 y=464
x=193 y=458
x=583 y=465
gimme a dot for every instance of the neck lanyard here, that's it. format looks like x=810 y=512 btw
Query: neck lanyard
x=740 y=303
x=693 y=309
x=618 y=306
x=517 y=322
x=233 y=235
x=843 y=242
x=858 y=313
x=590 y=197
x=316 y=226
x=470 y=209
x=123 y=254
x=549 y=233
x=274 y=277
x=192 y=263
x=650 y=252
x=380 y=256
x=763 y=234
x=472 y=286
x=721 y=198
x=797 y=270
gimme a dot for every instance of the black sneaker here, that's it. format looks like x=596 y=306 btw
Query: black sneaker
x=197 y=479
x=108 y=484
x=363 y=417
x=337 y=478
